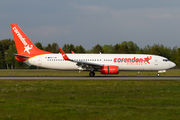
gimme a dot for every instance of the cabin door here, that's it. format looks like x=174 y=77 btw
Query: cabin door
x=39 y=60
x=156 y=61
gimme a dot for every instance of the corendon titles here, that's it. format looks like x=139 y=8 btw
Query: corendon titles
x=133 y=61
x=26 y=46
x=20 y=36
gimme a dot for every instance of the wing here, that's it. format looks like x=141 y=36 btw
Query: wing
x=82 y=64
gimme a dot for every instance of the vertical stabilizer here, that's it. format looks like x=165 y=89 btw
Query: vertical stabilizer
x=24 y=45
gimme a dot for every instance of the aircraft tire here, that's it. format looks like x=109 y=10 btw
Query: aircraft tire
x=91 y=74
x=158 y=74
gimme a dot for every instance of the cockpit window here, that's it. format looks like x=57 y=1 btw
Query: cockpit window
x=165 y=60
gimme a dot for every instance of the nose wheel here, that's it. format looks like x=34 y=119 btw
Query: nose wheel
x=92 y=74
x=158 y=74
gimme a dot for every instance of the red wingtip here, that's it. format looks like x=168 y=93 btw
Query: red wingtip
x=72 y=52
x=64 y=55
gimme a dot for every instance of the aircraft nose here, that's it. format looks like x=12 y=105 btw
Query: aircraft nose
x=172 y=64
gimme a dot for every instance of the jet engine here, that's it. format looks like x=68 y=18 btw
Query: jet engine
x=109 y=70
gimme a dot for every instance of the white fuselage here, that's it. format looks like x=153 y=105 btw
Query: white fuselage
x=137 y=62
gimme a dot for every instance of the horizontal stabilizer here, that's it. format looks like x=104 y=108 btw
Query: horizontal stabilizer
x=20 y=58
x=17 y=55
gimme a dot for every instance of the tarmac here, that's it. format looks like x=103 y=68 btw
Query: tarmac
x=142 y=78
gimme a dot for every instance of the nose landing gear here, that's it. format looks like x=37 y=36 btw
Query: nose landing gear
x=158 y=74
x=160 y=71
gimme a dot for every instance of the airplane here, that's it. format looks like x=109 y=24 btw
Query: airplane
x=28 y=53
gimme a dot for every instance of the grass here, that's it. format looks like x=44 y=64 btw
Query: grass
x=87 y=100
x=46 y=72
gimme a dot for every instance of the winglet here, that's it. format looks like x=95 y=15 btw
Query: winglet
x=64 y=55
x=72 y=52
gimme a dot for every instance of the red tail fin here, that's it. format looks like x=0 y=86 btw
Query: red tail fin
x=23 y=44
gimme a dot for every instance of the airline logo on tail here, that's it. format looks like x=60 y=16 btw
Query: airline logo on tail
x=26 y=46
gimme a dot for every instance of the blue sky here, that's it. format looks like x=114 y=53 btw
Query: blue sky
x=88 y=23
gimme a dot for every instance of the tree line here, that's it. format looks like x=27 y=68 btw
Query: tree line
x=125 y=47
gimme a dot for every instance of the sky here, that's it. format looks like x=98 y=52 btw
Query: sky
x=88 y=23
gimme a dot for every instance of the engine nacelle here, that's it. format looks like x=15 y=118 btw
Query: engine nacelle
x=109 y=70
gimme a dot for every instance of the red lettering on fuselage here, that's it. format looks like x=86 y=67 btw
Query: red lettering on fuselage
x=133 y=61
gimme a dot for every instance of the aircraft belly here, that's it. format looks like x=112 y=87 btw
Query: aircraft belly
x=65 y=65
x=138 y=67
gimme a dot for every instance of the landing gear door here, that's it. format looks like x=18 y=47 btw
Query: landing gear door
x=156 y=61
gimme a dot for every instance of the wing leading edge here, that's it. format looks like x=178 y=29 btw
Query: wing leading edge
x=82 y=64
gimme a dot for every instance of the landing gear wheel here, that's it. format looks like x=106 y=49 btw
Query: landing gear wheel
x=158 y=74
x=91 y=74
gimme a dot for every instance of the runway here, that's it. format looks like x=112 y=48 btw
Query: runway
x=143 y=78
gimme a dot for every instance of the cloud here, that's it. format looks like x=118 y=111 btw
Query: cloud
x=89 y=8
x=160 y=16
x=110 y=26
x=92 y=22
x=4 y=15
x=48 y=31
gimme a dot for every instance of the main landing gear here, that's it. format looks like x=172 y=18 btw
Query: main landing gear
x=91 y=74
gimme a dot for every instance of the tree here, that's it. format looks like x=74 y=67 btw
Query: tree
x=19 y=65
x=5 y=43
x=2 y=65
x=108 y=49
x=55 y=48
x=140 y=51
x=173 y=54
x=123 y=49
x=155 y=50
x=68 y=48
x=98 y=48
x=48 y=48
x=147 y=49
x=79 y=49
x=116 y=48
x=65 y=47
x=11 y=59
x=133 y=45
x=71 y=47
x=132 y=49
x=177 y=61
x=128 y=47
x=38 y=45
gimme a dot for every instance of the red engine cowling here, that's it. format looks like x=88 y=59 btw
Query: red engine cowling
x=109 y=70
